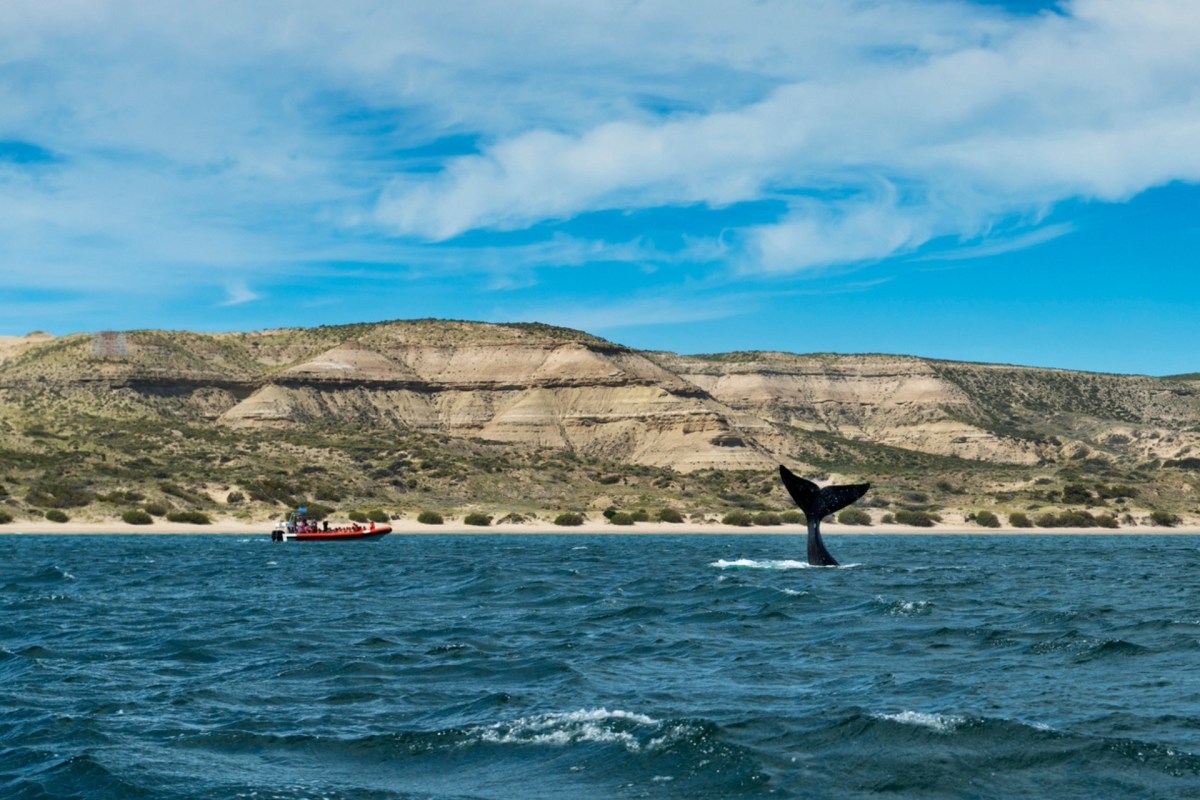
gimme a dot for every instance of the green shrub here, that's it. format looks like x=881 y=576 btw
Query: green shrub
x=1107 y=521
x=608 y=512
x=1046 y=520
x=358 y=516
x=54 y=515
x=193 y=517
x=425 y=518
x=1019 y=519
x=512 y=518
x=235 y=498
x=854 y=516
x=55 y=494
x=640 y=515
x=887 y=519
x=1163 y=519
x=669 y=515
x=135 y=516
x=1076 y=493
x=918 y=519
x=570 y=519
x=378 y=515
x=5 y=517
x=986 y=519
x=120 y=497
x=1076 y=519
x=767 y=518
x=155 y=509
x=740 y=518
x=793 y=517
x=475 y=518
x=621 y=518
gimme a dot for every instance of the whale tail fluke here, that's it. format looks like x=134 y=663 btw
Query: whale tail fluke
x=818 y=503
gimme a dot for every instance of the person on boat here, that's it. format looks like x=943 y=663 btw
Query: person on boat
x=325 y=526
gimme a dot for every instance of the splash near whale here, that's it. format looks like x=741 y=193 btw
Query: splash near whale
x=818 y=503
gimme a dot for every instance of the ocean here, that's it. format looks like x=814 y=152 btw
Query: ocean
x=587 y=666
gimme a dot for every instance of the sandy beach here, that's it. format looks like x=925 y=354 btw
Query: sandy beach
x=409 y=526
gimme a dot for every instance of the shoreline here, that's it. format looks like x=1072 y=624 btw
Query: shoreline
x=410 y=527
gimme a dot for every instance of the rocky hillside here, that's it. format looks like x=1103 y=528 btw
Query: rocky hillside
x=454 y=414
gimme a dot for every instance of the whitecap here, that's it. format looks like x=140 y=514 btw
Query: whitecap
x=941 y=723
x=599 y=726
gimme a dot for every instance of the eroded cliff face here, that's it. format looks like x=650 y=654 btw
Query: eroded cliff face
x=599 y=401
x=555 y=388
x=982 y=412
x=900 y=402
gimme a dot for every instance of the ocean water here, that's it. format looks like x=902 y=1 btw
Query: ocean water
x=599 y=666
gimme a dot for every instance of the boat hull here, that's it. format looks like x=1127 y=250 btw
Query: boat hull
x=337 y=536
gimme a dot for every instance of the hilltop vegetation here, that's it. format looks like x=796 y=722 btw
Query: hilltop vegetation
x=460 y=418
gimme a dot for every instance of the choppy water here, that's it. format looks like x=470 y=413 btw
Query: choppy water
x=599 y=666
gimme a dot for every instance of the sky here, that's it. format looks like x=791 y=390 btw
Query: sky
x=1008 y=182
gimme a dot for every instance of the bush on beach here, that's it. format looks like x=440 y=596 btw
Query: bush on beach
x=135 y=516
x=1163 y=519
x=854 y=516
x=193 y=517
x=986 y=519
x=917 y=519
x=425 y=518
x=1019 y=519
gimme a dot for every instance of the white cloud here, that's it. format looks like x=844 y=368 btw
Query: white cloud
x=249 y=138
x=1098 y=103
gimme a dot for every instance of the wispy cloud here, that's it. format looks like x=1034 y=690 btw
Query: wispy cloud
x=237 y=293
x=1002 y=245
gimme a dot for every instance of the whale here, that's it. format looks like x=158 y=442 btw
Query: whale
x=817 y=503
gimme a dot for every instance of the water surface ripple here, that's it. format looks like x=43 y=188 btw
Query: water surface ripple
x=599 y=666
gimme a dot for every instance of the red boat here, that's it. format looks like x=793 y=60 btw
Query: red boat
x=298 y=529
x=334 y=534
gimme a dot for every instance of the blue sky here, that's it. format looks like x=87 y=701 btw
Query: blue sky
x=1012 y=182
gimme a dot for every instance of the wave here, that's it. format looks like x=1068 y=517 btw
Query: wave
x=913 y=752
x=49 y=574
x=630 y=730
x=940 y=723
x=605 y=750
